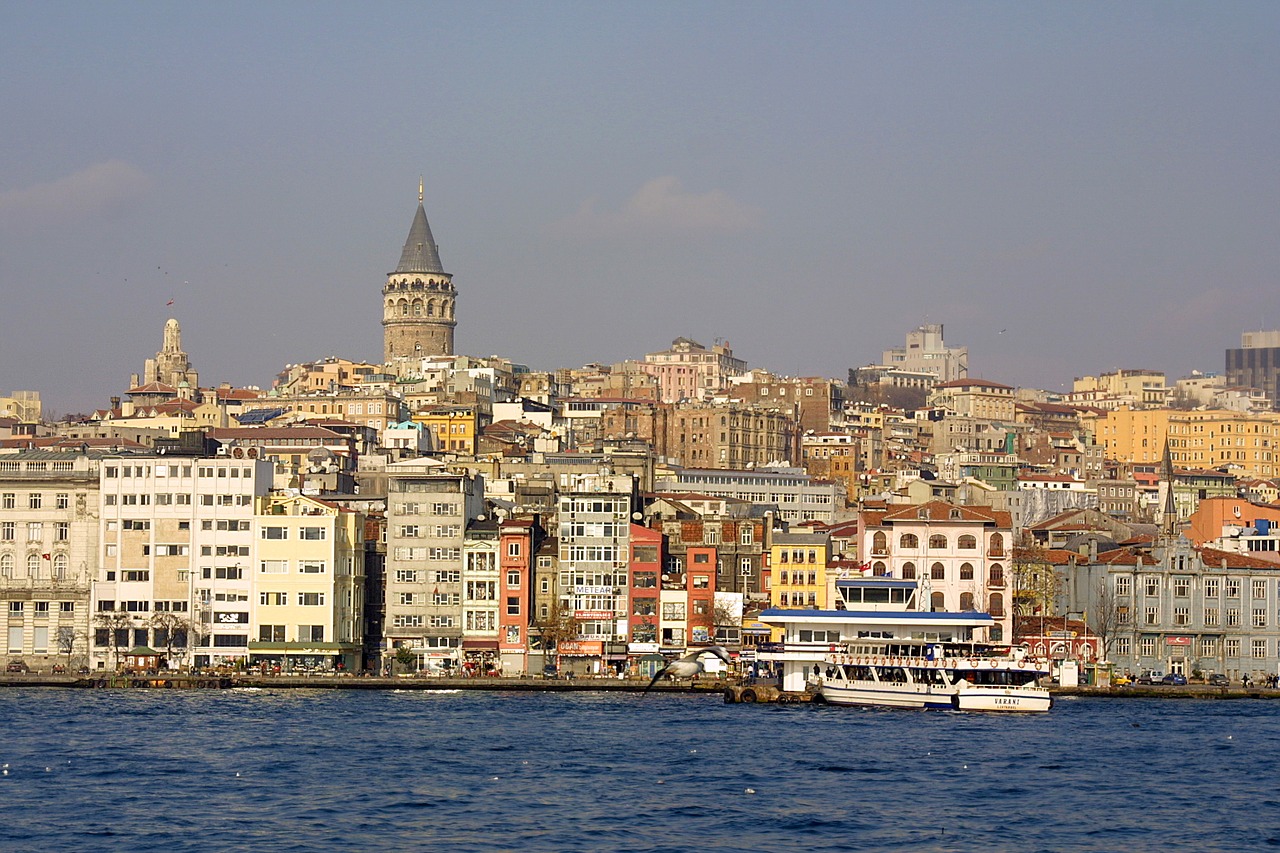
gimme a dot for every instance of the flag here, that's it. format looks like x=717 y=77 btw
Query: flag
x=46 y=556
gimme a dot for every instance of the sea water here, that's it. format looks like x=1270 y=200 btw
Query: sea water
x=283 y=770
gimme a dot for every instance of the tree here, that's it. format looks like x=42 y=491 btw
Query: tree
x=67 y=639
x=1035 y=583
x=171 y=631
x=1104 y=617
x=561 y=624
x=113 y=627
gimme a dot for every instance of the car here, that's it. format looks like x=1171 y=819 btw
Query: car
x=17 y=666
x=1219 y=679
x=1174 y=678
x=1151 y=676
x=1120 y=679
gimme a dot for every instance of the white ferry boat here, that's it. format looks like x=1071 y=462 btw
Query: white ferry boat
x=876 y=649
x=932 y=675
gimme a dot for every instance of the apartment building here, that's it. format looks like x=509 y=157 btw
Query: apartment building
x=48 y=551
x=307 y=591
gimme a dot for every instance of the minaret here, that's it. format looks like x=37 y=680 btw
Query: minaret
x=1168 y=507
x=417 y=300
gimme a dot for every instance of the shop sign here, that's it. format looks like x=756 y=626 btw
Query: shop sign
x=593 y=614
x=231 y=618
x=592 y=590
x=642 y=648
x=581 y=647
x=1177 y=641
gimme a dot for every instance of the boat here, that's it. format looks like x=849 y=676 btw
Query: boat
x=961 y=677
x=878 y=648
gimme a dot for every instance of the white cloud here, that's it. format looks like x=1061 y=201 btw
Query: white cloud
x=92 y=191
x=663 y=204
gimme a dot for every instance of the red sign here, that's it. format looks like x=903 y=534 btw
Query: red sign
x=581 y=647
x=593 y=614
x=1177 y=641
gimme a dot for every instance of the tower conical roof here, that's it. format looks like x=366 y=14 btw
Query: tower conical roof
x=420 y=253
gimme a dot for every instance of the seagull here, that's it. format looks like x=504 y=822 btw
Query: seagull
x=689 y=665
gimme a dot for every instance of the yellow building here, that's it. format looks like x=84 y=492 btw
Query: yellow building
x=307 y=600
x=798 y=568
x=455 y=427
x=1242 y=442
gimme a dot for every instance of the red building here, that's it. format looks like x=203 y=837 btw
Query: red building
x=518 y=539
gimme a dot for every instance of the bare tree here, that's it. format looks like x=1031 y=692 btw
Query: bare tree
x=116 y=624
x=171 y=631
x=67 y=639
x=560 y=625
x=1104 y=617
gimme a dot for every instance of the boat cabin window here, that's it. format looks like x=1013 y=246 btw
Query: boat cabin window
x=819 y=636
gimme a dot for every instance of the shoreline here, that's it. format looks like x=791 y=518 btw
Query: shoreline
x=532 y=684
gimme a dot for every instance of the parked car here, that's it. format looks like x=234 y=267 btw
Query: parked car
x=1119 y=679
x=1151 y=676
x=17 y=666
x=59 y=669
x=1219 y=679
x=1174 y=678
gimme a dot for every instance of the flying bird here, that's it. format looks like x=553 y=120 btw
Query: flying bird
x=689 y=665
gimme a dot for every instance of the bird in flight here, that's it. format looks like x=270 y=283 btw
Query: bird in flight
x=689 y=665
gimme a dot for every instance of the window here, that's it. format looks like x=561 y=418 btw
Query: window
x=135 y=575
x=1231 y=647
x=1181 y=615
x=1181 y=586
x=7 y=502
x=62 y=500
x=1152 y=585
x=937 y=540
x=33 y=500
x=995 y=576
x=701 y=581
x=513 y=549
x=275 y=533
x=1210 y=587
x=909 y=571
x=1259 y=617
x=1152 y=616
x=310 y=633
x=35 y=531
x=1211 y=617
x=513 y=605
x=311 y=599
x=1208 y=647
x=273 y=599
x=1148 y=647
x=1259 y=590
x=1123 y=647
x=274 y=567
x=909 y=540
x=1233 y=617
x=966 y=571
x=311 y=567
x=444 y=509
x=673 y=611
x=513 y=578
x=938 y=572
x=311 y=534
x=271 y=633
x=745 y=535
x=6 y=531
x=406 y=576
x=967 y=542
x=1259 y=648
x=408 y=620
x=1233 y=587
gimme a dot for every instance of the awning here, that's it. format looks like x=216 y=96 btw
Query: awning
x=479 y=645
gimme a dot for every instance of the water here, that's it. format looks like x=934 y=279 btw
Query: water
x=314 y=770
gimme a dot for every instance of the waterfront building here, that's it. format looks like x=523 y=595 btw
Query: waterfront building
x=418 y=300
x=48 y=553
x=957 y=554
x=645 y=579
x=798 y=569
x=594 y=524
x=481 y=583
x=1178 y=608
x=306 y=597
x=1135 y=389
x=175 y=560
x=518 y=540
x=428 y=509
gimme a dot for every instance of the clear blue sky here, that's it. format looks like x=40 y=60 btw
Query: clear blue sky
x=806 y=180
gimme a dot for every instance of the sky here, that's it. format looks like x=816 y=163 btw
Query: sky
x=1069 y=188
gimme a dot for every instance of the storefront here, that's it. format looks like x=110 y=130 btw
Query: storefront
x=480 y=657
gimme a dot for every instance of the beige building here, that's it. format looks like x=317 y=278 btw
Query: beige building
x=925 y=351
x=21 y=405
x=174 y=570
x=307 y=597
x=1240 y=441
x=48 y=548
x=975 y=398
